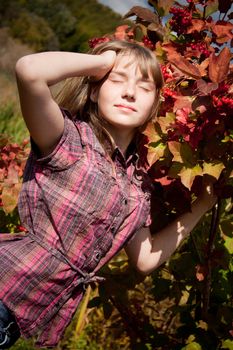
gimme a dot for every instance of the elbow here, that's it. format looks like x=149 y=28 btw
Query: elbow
x=142 y=272
x=146 y=265
x=144 y=268
x=25 y=69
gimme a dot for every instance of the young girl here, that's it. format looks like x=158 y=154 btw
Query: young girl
x=85 y=193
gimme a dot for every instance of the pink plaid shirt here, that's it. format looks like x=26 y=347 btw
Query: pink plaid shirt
x=79 y=213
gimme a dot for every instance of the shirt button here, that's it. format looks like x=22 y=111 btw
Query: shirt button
x=125 y=201
x=112 y=229
x=97 y=255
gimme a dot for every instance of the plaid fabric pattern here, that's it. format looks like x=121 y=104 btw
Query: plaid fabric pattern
x=79 y=212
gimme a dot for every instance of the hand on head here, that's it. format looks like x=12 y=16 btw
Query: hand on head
x=109 y=58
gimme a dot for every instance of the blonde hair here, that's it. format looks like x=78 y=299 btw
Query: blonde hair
x=75 y=94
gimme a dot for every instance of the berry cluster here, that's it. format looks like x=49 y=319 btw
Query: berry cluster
x=166 y=73
x=148 y=43
x=222 y=89
x=169 y=97
x=168 y=93
x=97 y=41
x=181 y=20
x=223 y=104
x=201 y=47
x=21 y=228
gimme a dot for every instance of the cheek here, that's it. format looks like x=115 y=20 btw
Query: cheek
x=148 y=103
x=107 y=95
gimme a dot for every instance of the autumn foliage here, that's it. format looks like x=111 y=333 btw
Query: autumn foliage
x=193 y=135
x=191 y=139
x=12 y=161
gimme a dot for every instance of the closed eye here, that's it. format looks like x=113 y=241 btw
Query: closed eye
x=146 y=88
x=116 y=80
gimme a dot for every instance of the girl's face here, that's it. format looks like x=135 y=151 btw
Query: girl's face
x=125 y=98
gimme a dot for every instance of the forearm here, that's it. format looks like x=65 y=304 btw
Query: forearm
x=52 y=67
x=166 y=241
x=148 y=251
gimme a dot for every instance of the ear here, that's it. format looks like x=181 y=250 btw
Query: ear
x=94 y=94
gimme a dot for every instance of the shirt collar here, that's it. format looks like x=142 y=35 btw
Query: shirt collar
x=131 y=154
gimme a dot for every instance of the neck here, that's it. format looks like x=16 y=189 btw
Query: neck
x=121 y=138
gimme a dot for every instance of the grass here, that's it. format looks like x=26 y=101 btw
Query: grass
x=12 y=124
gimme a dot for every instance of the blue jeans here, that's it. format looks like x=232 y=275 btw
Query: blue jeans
x=9 y=330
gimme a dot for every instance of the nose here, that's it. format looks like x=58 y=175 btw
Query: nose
x=129 y=90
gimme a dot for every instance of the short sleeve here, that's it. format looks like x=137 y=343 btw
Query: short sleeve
x=68 y=150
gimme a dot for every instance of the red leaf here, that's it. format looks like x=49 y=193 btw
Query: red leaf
x=219 y=65
x=223 y=31
x=183 y=102
x=197 y=25
x=165 y=181
x=205 y=88
x=122 y=32
x=201 y=272
x=143 y=13
x=184 y=65
x=170 y=48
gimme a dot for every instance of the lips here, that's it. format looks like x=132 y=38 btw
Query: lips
x=125 y=107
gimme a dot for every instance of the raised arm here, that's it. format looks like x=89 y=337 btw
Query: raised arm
x=36 y=73
x=147 y=252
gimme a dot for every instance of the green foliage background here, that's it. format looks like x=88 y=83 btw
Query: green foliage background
x=62 y=25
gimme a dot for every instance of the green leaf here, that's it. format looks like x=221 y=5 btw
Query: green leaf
x=83 y=311
x=95 y=302
x=212 y=6
x=175 y=170
x=174 y=148
x=139 y=32
x=151 y=132
x=108 y=309
x=213 y=169
x=164 y=6
x=229 y=244
x=155 y=153
x=177 y=263
x=226 y=227
x=161 y=288
x=187 y=175
x=181 y=152
x=167 y=121
x=192 y=346
x=227 y=344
